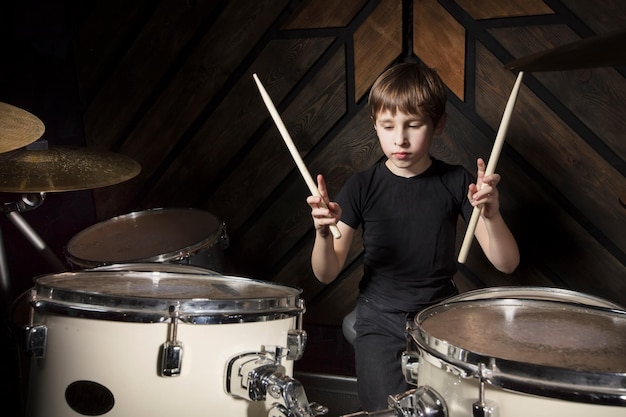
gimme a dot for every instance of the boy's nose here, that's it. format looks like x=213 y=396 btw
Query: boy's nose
x=400 y=138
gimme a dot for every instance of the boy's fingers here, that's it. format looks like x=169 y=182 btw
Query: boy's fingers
x=321 y=185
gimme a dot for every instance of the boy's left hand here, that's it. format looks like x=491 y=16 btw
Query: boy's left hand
x=485 y=191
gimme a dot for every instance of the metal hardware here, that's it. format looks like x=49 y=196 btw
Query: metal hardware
x=420 y=402
x=28 y=202
x=224 y=238
x=259 y=376
x=34 y=337
x=482 y=408
x=172 y=349
x=381 y=413
x=296 y=338
x=410 y=366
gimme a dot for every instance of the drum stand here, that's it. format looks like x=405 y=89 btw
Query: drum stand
x=13 y=209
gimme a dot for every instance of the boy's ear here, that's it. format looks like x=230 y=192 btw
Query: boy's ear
x=441 y=124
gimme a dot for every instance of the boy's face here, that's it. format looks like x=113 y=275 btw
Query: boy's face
x=405 y=139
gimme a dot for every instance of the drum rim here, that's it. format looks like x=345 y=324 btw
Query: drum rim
x=192 y=310
x=175 y=255
x=504 y=292
x=542 y=380
x=150 y=266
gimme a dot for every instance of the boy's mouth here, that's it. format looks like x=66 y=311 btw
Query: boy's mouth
x=401 y=155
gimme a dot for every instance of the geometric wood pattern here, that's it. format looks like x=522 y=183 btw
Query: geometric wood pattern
x=440 y=43
x=491 y=9
x=377 y=43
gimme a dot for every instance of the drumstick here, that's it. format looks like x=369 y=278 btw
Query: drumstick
x=292 y=149
x=491 y=166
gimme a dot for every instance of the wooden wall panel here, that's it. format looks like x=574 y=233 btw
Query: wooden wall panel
x=103 y=38
x=230 y=130
x=146 y=64
x=324 y=14
x=318 y=107
x=440 y=43
x=220 y=51
x=490 y=9
x=599 y=17
x=377 y=43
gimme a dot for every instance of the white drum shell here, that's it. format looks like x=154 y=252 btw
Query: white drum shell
x=124 y=358
x=460 y=393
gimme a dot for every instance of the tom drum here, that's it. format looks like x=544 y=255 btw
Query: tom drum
x=183 y=236
x=133 y=343
x=522 y=351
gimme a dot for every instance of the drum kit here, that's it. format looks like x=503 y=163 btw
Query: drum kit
x=142 y=323
x=146 y=323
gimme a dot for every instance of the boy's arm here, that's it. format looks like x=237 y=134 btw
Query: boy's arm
x=498 y=243
x=329 y=254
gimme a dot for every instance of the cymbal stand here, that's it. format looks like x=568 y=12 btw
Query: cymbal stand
x=13 y=209
x=4 y=274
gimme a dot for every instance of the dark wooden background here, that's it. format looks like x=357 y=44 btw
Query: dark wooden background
x=169 y=83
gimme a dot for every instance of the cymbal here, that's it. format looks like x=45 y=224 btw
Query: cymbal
x=606 y=50
x=63 y=169
x=18 y=127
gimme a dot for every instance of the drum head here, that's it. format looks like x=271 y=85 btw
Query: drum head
x=156 y=235
x=150 y=296
x=550 y=348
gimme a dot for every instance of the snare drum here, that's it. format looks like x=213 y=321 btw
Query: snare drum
x=105 y=340
x=523 y=351
x=183 y=236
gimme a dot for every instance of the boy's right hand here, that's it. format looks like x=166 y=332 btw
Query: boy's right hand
x=323 y=217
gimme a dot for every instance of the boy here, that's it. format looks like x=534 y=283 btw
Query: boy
x=408 y=208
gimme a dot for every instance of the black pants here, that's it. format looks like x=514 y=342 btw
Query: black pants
x=379 y=343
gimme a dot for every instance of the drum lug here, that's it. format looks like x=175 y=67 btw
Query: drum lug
x=484 y=410
x=296 y=338
x=34 y=339
x=410 y=366
x=296 y=342
x=171 y=358
x=172 y=349
x=34 y=336
x=482 y=407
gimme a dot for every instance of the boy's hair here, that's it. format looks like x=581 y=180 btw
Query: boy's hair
x=409 y=88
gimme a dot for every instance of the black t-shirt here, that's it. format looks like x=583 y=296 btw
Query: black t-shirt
x=409 y=231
